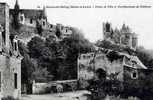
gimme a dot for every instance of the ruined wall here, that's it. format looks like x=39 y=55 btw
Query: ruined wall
x=85 y=67
x=9 y=66
x=115 y=67
x=88 y=66
x=15 y=64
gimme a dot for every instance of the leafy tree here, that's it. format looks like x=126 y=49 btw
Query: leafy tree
x=22 y=48
x=27 y=69
x=59 y=58
x=35 y=47
x=108 y=45
x=145 y=56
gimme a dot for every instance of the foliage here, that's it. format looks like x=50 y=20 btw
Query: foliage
x=27 y=69
x=146 y=56
x=109 y=45
x=22 y=48
x=35 y=47
x=58 y=58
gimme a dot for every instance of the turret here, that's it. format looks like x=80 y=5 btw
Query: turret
x=107 y=30
x=17 y=7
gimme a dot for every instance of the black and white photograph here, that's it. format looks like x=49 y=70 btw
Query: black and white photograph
x=76 y=50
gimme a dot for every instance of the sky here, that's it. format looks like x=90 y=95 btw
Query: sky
x=90 y=20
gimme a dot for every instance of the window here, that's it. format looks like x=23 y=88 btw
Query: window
x=15 y=80
x=15 y=46
x=134 y=75
x=107 y=27
x=4 y=37
x=51 y=26
x=31 y=21
x=21 y=18
x=43 y=23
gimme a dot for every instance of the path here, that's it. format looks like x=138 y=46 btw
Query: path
x=78 y=95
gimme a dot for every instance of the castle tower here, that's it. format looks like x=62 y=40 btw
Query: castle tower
x=107 y=31
x=134 y=40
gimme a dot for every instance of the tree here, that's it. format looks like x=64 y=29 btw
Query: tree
x=145 y=56
x=108 y=45
x=72 y=46
x=27 y=69
x=35 y=47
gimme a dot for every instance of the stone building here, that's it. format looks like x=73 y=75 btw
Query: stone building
x=64 y=30
x=29 y=17
x=123 y=36
x=118 y=66
x=10 y=59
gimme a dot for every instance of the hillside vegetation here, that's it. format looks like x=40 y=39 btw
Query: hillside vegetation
x=47 y=60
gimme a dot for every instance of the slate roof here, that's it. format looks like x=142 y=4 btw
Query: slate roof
x=140 y=65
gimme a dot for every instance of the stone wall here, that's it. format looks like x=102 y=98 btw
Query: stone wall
x=87 y=65
x=135 y=82
x=9 y=66
x=114 y=67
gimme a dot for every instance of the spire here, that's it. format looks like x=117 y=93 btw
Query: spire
x=44 y=12
x=16 y=5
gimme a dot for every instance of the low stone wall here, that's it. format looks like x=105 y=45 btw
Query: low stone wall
x=38 y=88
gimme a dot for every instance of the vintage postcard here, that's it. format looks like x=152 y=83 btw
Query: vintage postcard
x=76 y=50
